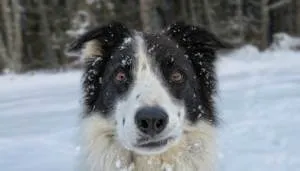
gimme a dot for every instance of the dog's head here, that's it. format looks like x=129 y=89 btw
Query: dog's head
x=149 y=87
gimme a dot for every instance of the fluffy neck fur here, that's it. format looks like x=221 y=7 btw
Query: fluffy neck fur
x=101 y=151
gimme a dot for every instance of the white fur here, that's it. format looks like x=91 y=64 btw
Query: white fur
x=92 y=49
x=101 y=151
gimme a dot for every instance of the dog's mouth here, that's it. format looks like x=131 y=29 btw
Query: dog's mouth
x=155 y=143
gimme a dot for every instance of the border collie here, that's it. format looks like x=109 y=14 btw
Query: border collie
x=148 y=99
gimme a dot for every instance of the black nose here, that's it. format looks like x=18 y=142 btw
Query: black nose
x=151 y=120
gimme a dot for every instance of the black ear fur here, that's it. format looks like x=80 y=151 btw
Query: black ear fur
x=195 y=39
x=200 y=47
x=109 y=36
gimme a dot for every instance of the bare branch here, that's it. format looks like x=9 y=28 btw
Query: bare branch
x=279 y=4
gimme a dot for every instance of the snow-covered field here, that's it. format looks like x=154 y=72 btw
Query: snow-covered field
x=259 y=104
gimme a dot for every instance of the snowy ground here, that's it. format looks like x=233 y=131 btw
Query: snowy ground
x=259 y=104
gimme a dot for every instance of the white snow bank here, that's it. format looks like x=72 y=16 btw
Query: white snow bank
x=283 y=41
x=258 y=103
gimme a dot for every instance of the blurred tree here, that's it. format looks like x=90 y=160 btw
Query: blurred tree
x=11 y=42
x=34 y=33
x=297 y=16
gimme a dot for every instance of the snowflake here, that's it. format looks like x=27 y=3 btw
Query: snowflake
x=127 y=40
x=167 y=167
x=118 y=164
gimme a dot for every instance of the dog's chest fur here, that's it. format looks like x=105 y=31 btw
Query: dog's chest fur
x=100 y=152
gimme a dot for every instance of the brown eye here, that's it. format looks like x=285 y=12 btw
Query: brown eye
x=121 y=76
x=176 y=77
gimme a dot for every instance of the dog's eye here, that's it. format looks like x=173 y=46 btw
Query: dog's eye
x=176 y=77
x=121 y=76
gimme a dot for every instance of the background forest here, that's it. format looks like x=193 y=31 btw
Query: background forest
x=34 y=33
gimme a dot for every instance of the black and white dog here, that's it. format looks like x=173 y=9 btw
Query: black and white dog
x=149 y=99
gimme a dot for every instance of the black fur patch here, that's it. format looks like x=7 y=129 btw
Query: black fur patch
x=199 y=48
x=94 y=82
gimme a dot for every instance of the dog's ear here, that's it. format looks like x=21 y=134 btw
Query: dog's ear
x=200 y=47
x=100 y=41
x=96 y=46
x=196 y=41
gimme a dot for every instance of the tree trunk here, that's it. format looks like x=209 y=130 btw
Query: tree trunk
x=264 y=24
x=146 y=14
x=12 y=28
x=183 y=10
x=18 y=41
x=208 y=16
x=297 y=17
x=240 y=16
x=193 y=12
x=49 y=55
x=7 y=26
x=5 y=60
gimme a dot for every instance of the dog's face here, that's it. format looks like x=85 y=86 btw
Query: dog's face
x=149 y=87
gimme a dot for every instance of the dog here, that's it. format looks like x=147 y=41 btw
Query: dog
x=148 y=99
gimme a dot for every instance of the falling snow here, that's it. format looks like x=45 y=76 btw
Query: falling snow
x=151 y=49
x=126 y=61
x=127 y=40
x=97 y=60
x=167 y=167
x=91 y=87
x=100 y=80
x=199 y=54
x=90 y=78
x=122 y=47
x=118 y=164
x=172 y=59
x=92 y=71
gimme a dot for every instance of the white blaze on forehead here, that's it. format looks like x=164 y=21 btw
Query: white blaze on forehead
x=148 y=85
x=143 y=63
